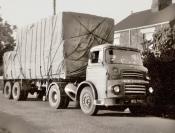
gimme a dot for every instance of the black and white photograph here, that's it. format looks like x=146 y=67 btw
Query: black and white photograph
x=87 y=66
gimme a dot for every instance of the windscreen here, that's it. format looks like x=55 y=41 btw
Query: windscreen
x=114 y=56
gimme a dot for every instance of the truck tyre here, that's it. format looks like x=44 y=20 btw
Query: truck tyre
x=57 y=98
x=87 y=101
x=17 y=92
x=8 y=90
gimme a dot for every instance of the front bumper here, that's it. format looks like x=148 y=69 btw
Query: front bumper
x=132 y=92
x=124 y=101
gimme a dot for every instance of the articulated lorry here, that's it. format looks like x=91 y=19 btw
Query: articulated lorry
x=70 y=56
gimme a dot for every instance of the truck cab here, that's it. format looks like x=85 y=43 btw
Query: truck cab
x=115 y=78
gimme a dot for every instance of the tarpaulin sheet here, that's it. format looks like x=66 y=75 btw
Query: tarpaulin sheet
x=57 y=47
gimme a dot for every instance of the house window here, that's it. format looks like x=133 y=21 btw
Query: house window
x=117 y=39
x=122 y=38
x=136 y=38
x=148 y=33
x=147 y=37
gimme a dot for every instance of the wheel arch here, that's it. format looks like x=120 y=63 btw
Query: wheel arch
x=84 y=84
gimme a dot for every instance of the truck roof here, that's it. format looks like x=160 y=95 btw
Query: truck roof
x=114 y=46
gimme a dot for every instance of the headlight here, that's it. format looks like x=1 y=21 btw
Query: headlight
x=147 y=77
x=151 y=90
x=116 y=89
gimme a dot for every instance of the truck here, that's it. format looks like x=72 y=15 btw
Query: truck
x=70 y=56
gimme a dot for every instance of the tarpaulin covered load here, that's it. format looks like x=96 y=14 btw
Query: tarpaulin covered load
x=57 y=47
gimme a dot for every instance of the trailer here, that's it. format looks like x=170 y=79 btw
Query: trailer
x=70 y=56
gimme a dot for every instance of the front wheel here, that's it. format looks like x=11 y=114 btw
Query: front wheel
x=87 y=101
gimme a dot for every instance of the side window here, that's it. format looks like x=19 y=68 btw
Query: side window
x=94 y=57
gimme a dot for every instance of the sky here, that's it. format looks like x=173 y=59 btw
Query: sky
x=23 y=12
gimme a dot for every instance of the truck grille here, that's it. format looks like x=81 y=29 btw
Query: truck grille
x=135 y=89
x=132 y=74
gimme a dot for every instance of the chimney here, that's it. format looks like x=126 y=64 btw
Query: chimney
x=158 y=5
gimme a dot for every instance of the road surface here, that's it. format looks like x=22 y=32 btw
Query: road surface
x=36 y=116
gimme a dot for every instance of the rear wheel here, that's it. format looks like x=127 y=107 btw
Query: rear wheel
x=57 y=98
x=8 y=90
x=87 y=101
x=18 y=93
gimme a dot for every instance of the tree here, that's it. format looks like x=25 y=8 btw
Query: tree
x=7 y=41
x=163 y=44
x=160 y=61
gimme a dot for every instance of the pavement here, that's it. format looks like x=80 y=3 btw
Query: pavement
x=14 y=124
x=33 y=116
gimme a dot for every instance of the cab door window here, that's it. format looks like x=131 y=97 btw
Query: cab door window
x=94 y=57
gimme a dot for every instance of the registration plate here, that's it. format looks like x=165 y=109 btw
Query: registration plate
x=136 y=101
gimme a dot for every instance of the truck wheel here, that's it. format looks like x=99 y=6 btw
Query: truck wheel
x=87 y=101
x=8 y=90
x=57 y=98
x=17 y=93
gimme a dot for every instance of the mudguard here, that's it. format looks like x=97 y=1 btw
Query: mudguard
x=84 y=84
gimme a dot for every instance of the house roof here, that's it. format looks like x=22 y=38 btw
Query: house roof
x=147 y=17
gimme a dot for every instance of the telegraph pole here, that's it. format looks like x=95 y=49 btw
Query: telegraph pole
x=54 y=7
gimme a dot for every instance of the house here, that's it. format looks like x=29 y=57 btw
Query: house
x=140 y=26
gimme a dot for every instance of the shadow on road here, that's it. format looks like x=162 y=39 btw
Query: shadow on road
x=120 y=114
x=167 y=116
x=33 y=99
x=124 y=114
x=128 y=114
x=72 y=107
x=171 y=117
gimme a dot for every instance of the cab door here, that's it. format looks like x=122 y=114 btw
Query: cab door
x=96 y=73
